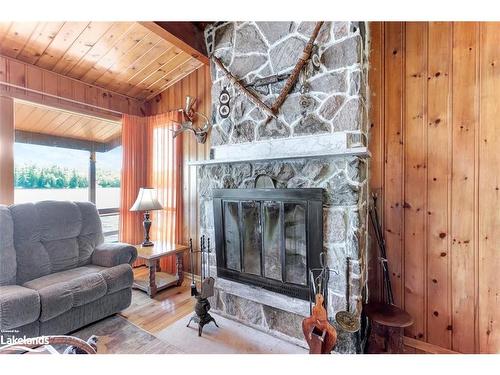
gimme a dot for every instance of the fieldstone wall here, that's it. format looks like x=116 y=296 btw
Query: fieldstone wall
x=331 y=99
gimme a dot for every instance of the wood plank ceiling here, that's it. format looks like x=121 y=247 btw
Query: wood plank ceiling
x=123 y=57
x=51 y=121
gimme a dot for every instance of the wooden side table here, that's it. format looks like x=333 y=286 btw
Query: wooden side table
x=156 y=279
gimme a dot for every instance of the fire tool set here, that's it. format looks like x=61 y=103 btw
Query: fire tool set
x=201 y=316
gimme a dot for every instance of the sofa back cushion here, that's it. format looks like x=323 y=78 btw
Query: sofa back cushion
x=48 y=237
x=8 y=263
x=91 y=233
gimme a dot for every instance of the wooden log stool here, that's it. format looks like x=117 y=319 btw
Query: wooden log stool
x=387 y=328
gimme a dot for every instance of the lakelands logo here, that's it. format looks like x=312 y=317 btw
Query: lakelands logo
x=8 y=338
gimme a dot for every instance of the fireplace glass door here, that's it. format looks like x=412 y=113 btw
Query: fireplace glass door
x=272 y=240
x=268 y=237
x=295 y=243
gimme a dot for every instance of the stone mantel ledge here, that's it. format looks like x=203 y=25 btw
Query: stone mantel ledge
x=318 y=146
x=264 y=297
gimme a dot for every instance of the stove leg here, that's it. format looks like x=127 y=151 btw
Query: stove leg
x=193 y=318
x=213 y=320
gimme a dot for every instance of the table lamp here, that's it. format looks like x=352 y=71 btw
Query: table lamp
x=146 y=201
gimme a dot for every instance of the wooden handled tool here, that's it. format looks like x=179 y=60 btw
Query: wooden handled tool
x=320 y=335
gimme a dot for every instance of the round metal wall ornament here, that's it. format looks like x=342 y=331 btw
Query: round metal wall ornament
x=224 y=96
x=224 y=108
x=224 y=111
x=315 y=58
x=305 y=101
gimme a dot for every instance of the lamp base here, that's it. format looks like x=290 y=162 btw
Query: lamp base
x=147 y=227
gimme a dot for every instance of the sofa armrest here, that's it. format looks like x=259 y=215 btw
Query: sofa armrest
x=113 y=254
x=18 y=306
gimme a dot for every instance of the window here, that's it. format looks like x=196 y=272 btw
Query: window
x=43 y=173
x=60 y=155
x=108 y=172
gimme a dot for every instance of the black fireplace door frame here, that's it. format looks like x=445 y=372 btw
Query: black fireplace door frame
x=312 y=198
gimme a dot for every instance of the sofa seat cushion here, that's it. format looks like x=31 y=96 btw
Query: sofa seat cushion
x=59 y=277
x=18 y=306
x=60 y=297
x=61 y=291
x=118 y=277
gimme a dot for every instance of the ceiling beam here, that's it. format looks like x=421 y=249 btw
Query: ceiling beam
x=185 y=35
x=31 y=83
x=40 y=139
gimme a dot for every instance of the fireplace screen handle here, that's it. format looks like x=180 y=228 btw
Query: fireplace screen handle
x=319 y=284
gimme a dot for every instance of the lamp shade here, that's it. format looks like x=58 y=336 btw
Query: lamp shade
x=146 y=200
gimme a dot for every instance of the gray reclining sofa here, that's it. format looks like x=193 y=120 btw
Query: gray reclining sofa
x=56 y=274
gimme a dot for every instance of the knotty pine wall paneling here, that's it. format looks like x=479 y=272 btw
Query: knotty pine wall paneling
x=31 y=77
x=435 y=89
x=488 y=199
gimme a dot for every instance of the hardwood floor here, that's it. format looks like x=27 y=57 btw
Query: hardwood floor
x=170 y=305
x=155 y=314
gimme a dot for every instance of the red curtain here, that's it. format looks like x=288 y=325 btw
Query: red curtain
x=165 y=175
x=153 y=158
x=134 y=176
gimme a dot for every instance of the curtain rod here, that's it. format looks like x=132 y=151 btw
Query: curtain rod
x=60 y=97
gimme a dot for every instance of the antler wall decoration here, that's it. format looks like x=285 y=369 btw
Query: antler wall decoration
x=189 y=115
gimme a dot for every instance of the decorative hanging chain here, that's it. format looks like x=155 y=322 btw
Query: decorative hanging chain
x=306 y=54
x=292 y=79
x=242 y=88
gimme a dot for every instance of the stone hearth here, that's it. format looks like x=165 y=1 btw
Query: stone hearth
x=331 y=106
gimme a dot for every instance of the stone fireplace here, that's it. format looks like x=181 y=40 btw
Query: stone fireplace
x=316 y=145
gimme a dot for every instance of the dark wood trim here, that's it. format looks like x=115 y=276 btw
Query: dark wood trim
x=22 y=136
x=6 y=150
x=185 y=35
x=92 y=177
x=426 y=347
x=108 y=211
x=114 y=143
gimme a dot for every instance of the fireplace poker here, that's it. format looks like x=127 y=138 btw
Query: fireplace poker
x=202 y=245
x=348 y=321
x=387 y=320
x=208 y=256
x=207 y=284
x=192 y=265
x=383 y=252
x=319 y=284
